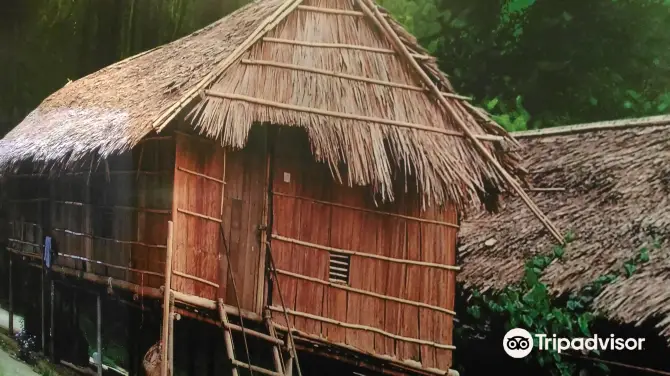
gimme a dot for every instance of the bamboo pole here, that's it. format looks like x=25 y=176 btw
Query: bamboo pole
x=342 y=12
x=262 y=257
x=52 y=329
x=11 y=298
x=335 y=204
x=342 y=115
x=266 y=25
x=362 y=254
x=373 y=13
x=91 y=261
x=326 y=72
x=368 y=293
x=364 y=328
x=413 y=366
x=133 y=242
x=194 y=278
x=25 y=254
x=171 y=338
x=358 y=47
x=194 y=173
x=230 y=349
x=91 y=277
x=166 y=302
x=98 y=361
x=194 y=214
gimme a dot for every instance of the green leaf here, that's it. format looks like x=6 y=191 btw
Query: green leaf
x=559 y=252
x=474 y=311
x=644 y=255
x=583 y=322
x=630 y=269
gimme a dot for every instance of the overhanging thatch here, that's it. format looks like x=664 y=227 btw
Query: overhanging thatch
x=329 y=71
x=612 y=186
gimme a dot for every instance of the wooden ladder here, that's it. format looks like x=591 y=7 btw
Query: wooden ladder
x=280 y=369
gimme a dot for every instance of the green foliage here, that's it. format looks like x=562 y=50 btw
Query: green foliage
x=530 y=305
x=572 y=62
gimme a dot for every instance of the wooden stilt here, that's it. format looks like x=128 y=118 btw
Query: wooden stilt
x=11 y=298
x=43 y=298
x=52 y=299
x=167 y=295
x=98 y=360
x=171 y=338
x=42 y=290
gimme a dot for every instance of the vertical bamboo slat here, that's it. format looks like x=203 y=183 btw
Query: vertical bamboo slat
x=167 y=292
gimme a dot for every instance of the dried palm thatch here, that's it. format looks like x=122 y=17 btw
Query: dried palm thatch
x=612 y=188
x=316 y=64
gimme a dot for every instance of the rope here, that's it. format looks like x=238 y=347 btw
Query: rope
x=281 y=300
x=237 y=300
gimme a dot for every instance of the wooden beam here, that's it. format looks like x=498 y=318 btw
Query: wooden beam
x=363 y=254
x=52 y=324
x=133 y=242
x=205 y=303
x=340 y=46
x=194 y=278
x=91 y=261
x=367 y=119
x=364 y=328
x=194 y=214
x=372 y=12
x=326 y=72
x=182 y=169
x=166 y=302
x=98 y=360
x=367 y=293
x=264 y=26
x=322 y=343
x=416 y=219
x=11 y=298
x=137 y=289
x=341 y=12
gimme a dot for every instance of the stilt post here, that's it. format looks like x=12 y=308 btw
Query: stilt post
x=11 y=298
x=52 y=299
x=167 y=292
x=98 y=360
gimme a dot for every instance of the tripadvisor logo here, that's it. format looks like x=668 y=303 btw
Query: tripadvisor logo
x=518 y=343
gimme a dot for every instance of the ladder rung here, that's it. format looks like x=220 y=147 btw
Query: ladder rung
x=254 y=333
x=264 y=371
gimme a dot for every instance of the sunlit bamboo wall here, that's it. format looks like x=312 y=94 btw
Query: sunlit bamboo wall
x=399 y=297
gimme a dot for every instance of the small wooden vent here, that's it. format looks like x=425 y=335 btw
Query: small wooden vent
x=338 y=269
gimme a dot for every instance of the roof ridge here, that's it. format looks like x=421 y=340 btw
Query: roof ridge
x=607 y=125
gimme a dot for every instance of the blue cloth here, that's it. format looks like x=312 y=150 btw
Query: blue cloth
x=47 y=251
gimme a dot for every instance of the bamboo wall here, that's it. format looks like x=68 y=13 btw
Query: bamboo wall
x=108 y=218
x=386 y=306
x=203 y=203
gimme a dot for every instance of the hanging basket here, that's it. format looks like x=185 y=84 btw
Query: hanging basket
x=152 y=360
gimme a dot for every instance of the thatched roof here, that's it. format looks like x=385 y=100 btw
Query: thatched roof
x=613 y=191
x=282 y=62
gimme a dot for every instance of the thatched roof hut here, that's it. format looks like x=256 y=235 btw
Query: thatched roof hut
x=357 y=268
x=346 y=84
x=607 y=182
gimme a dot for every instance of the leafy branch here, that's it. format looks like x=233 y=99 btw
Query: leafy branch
x=530 y=305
